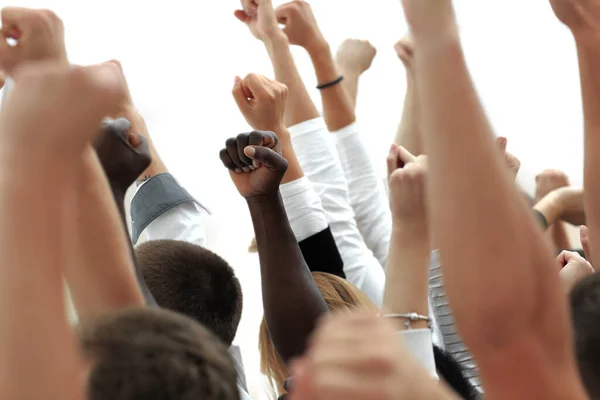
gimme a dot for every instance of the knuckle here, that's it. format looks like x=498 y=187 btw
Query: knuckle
x=241 y=136
x=230 y=142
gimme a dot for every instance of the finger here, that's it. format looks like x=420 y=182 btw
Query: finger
x=562 y=259
x=226 y=160
x=12 y=17
x=242 y=16
x=405 y=156
x=249 y=7
x=231 y=146
x=392 y=159
x=121 y=127
x=241 y=143
x=264 y=138
x=240 y=97
x=502 y=142
x=268 y=157
x=585 y=242
x=256 y=86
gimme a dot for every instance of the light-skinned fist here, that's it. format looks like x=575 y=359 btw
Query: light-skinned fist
x=512 y=163
x=573 y=268
x=405 y=50
x=255 y=164
x=55 y=110
x=259 y=16
x=356 y=55
x=261 y=101
x=548 y=181
x=39 y=35
x=407 y=182
x=301 y=26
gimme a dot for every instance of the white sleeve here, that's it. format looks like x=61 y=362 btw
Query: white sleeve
x=368 y=196
x=418 y=342
x=319 y=160
x=184 y=222
x=303 y=207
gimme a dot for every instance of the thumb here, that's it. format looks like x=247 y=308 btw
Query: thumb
x=268 y=157
x=239 y=95
x=405 y=156
x=501 y=142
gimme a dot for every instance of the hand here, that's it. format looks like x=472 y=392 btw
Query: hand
x=261 y=101
x=548 y=181
x=301 y=27
x=406 y=178
x=353 y=357
x=260 y=17
x=573 y=268
x=578 y=15
x=570 y=201
x=39 y=35
x=405 y=50
x=512 y=163
x=56 y=109
x=356 y=55
x=255 y=163
x=429 y=17
x=584 y=236
x=123 y=154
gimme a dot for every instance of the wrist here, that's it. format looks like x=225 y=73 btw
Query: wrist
x=412 y=228
x=275 y=39
x=263 y=200
x=318 y=48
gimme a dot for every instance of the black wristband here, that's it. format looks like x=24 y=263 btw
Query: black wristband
x=330 y=84
x=542 y=219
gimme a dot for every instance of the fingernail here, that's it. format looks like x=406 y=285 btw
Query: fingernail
x=256 y=164
x=246 y=169
x=238 y=171
x=250 y=151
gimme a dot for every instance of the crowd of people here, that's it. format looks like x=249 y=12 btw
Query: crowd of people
x=445 y=281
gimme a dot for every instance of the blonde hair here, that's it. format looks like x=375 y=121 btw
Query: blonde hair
x=339 y=294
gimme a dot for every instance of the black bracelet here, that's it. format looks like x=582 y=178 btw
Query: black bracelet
x=330 y=84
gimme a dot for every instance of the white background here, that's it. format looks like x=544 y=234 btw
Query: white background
x=181 y=56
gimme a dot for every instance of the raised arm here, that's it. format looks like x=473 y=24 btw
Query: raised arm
x=498 y=272
x=51 y=116
x=353 y=58
x=291 y=300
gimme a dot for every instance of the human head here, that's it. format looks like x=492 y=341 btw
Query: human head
x=585 y=312
x=144 y=353
x=193 y=281
x=339 y=295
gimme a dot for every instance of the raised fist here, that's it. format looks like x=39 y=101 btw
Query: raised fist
x=548 y=181
x=573 y=268
x=407 y=180
x=261 y=101
x=405 y=49
x=55 y=109
x=512 y=163
x=39 y=35
x=356 y=55
x=260 y=18
x=124 y=155
x=255 y=163
x=300 y=24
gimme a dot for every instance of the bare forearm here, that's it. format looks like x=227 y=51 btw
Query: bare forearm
x=39 y=353
x=101 y=278
x=299 y=106
x=292 y=301
x=294 y=171
x=589 y=63
x=338 y=107
x=406 y=286
x=499 y=244
x=409 y=134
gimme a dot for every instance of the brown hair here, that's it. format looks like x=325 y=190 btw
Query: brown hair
x=144 y=353
x=339 y=294
x=194 y=281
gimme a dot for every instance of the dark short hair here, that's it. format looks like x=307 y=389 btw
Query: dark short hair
x=196 y=282
x=144 y=353
x=452 y=373
x=585 y=313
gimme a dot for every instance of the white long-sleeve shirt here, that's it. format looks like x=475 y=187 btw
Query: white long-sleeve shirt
x=320 y=162
x=367 y=193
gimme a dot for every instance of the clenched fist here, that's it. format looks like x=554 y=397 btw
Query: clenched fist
x=56 y=109
x=356 y=55
x=573 y=268
x=260 y=18
x=124 y=155
x=405 y=50
x=39 y=35
x=261 y=101
x=255 y=163
x=407 y=180
x=548 y=181
x=301 y=27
